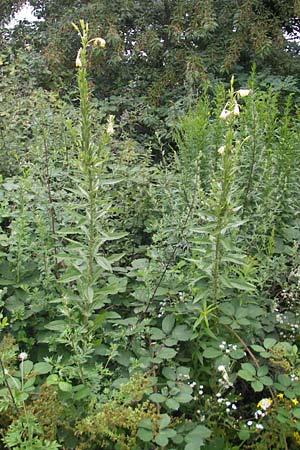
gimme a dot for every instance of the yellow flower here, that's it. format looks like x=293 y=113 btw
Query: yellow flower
x=295 y=401
x=297 y=437
x=280 y=395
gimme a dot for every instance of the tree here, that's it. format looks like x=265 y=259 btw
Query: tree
x=160 y=52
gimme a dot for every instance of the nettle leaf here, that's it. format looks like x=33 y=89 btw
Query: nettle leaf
x=269 y=343
x=211 y=352
x=156 y=334
x=56 y=325
x=169 y=373
x=227 y=308
x=296 y=412
x=168 y=323
x=167 y=353
x=182 y=333
x=81 y=392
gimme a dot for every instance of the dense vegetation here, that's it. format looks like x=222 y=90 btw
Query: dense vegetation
x=149 y=271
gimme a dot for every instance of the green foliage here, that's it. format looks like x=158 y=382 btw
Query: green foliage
x=157 y=302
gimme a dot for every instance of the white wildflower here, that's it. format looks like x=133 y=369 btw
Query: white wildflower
x=243 y=92
x=23 y=356
x=78 y=62
x=236 y=109
x=110 y=125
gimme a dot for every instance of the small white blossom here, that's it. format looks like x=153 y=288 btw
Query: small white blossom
x=225 y=114
x=78 y=62
x=110 y=125
x=249 y=423
x=23 y=356
x=236 y=109
x=259 y=426
x=221 y=368
x=243 y=92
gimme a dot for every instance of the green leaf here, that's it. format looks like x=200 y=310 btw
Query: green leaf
x=156 y=334
x=144 y=435
x=296 y=412
x=167 y=353
x=169 y=373
x=146 y=423
x=104 y=263
x=269 y=343
x=42 y=368
x=284 y=380
x=227 y=308
x=26 y=367
x=82 y=391
x=64 y=386
x=172 y=404
x=161 y=440
x=56 y=325
x=157 y=398
x=267 y=381
x=246 y=375
x=249 y=367
x=164 y=421
x=237 y=354
x=244 y=435
x=168 y=323
x=182 y=333
x=261 y=371
x=183 y=397
x=258 y=348
x=257 y=386
x=211 y=352
x=52 y=379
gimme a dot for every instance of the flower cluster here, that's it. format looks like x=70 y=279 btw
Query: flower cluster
x=227 y=348
x=224 y=381
x=234 y=109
